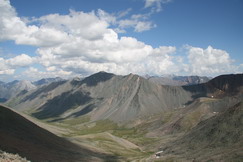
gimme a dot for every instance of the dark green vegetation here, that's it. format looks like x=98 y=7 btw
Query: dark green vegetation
x=132 y=118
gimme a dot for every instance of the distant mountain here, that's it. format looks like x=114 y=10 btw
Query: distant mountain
x=103 y=96
x=45 y=81
x=108 y=96
x=221 y=86
x=16 y=87
x=20 y=135
x=11 y=89
x=227 y=84
x=190 y=122
x=174 y=80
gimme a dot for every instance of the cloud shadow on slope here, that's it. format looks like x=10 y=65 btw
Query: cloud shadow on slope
x=93 y=80
x=21 y=136
x=60 y=104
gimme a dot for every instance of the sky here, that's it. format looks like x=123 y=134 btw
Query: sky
x=68 y=38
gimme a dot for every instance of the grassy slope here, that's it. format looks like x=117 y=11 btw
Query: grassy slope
x=217 y=139
x=19 y=135
x=106 y=136
x=150 y=134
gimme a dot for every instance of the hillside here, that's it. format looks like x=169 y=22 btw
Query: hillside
x=13 y=88
x=118 y=98
x=19 y=135
x=133 y=118
x=174 y=80
x=102 y=96
x=218 y=138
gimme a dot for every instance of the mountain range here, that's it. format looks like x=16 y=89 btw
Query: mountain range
x=132 y=117
x=15 y=87
x=174 y=80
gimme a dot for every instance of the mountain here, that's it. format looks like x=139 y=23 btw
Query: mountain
x=219 y=138
x=102 y=96
x=227 y=84
x=45 y=81
x=16 y=87
x=174 y=80
x=20 y=135
x=11 y=89
x=110 y=111
x=117 y=98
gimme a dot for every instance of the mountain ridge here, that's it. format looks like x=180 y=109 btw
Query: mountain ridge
x=153 y=117
x=108 y=96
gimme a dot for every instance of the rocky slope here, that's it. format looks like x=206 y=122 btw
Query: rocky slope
x=19 y=135
x=20 y=87
x=46 y=81
x=193 y=122
x=118 y=98
x=102 y=96
x=5 y=157
x=174 y=80
x=217 y=139
x=13 y=88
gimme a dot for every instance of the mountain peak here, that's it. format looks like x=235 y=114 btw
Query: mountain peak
x=227 y=83
x=47 y=81
x=96 y=78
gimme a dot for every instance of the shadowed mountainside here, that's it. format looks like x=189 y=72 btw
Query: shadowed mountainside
x=11 y=89
x=187 y=122
x=102 y=96
x=118 y=98
x=19 y=135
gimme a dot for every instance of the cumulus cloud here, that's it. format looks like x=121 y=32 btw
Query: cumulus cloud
x=35 y=74
x=209 y=60
x=20 y=61
x=8 y=66
x=85 y=43
x=4 y=68
x=13 y=28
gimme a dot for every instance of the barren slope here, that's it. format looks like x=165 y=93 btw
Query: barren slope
x=19 y=135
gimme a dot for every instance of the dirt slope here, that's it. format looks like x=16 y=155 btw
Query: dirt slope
x=19 y=135
x=219 y=138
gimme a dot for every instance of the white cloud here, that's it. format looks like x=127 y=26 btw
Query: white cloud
x=13 y=28
x=209 y=61
x=7 y=71
x=143 y=26
x=35 y=74
x=84 y=25
x=147 y=60
x=84 y=43
x=8 y=66
x=137 y=21
x=20 y=61
x=139 y=26
x=4 y=68
x=155 y=5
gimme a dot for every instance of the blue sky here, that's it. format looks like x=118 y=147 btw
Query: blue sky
x=68 y=38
